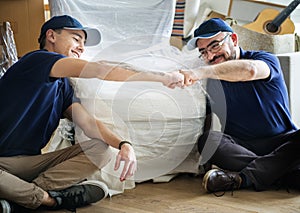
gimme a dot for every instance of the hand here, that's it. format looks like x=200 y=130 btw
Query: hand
x=190 y=77
x=173 y=79
x=127 y=155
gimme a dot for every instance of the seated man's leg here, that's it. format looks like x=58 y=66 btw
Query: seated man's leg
x=222 y=150
x=54 y=171
x=266 y=170
x=292 y=179
x=17 y=190
x=261 y=172
x=73 y=164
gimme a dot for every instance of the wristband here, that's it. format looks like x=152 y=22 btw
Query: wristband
x=123 y=142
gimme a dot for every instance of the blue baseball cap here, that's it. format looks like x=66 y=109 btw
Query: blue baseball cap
x=92 y=35
x=208 y=29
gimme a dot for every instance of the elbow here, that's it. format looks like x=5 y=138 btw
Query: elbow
x=257 y=70
x=252 y=72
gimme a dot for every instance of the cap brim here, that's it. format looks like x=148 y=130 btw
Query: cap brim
x=93 y=35
x=192 y=42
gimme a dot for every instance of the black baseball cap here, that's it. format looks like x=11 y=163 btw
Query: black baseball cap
x=93 y=35
x=208 y=29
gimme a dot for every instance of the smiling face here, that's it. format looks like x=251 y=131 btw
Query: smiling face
x=66 y=42
x=220 y=48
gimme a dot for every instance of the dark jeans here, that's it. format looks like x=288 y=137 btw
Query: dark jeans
x=263 y=162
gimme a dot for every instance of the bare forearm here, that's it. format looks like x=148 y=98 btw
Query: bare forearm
x=113 y=71
x=70 y=67
x=116 y=71
x=91 y=127
x=236 y=70
x=100 y=131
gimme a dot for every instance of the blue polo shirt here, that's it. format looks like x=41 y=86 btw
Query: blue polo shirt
x=32 y=103
x=254 y=109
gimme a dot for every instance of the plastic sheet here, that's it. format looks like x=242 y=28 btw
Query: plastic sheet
x=163 y=124
x=118 y=20
x=8 y=50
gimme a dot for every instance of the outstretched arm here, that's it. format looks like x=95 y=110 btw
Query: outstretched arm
x=234 y=71
x=94 y=128
x=112 y=71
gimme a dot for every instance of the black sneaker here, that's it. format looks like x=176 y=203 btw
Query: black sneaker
x=10 y=207
x=5 y=206
x=79 y=195
x=216 y=180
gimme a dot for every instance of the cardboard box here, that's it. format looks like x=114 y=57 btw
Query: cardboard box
x=26 y=18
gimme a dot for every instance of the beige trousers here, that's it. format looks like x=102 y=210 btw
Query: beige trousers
x=23 y=179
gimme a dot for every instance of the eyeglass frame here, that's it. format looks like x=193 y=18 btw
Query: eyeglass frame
x=215 y=44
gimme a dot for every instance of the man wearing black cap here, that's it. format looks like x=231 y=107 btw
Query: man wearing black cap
x=258 y=144
x=37 y=95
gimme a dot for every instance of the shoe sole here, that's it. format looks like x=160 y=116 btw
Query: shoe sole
x=5 y=206
x=100 y=184
x=206 y=177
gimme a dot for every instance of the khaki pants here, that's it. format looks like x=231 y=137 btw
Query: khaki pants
x=23 y=179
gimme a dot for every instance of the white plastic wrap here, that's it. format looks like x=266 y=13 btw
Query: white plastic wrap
x=118 y=19
x=8 y=50
x=163 y=124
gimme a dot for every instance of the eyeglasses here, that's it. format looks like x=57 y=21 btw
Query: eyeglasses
x=213 y=47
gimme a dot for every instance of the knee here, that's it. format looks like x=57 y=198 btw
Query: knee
x=215 y=138
x=295 y=136
x=98 y=151
x=98 y=146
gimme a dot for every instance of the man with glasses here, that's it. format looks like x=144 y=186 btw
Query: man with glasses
x=258 y=144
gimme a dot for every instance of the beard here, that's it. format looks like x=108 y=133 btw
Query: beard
x=227 y=57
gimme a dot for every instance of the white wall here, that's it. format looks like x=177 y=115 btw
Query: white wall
x=220 y=6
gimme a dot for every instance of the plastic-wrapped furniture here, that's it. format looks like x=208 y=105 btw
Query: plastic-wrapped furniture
x=163 y=124
x=8 y=51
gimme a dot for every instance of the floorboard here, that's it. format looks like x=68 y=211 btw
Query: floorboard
x=185 y=194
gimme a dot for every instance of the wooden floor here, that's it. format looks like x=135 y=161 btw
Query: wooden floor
x=185 y=194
